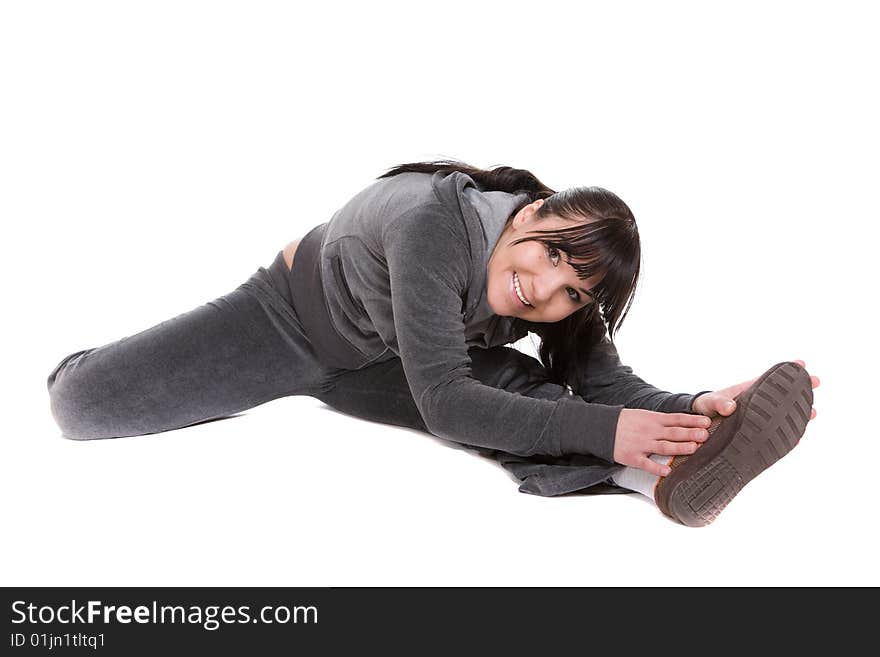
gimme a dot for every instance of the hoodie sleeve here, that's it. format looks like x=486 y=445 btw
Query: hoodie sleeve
x=608 y=381
x=428 y=258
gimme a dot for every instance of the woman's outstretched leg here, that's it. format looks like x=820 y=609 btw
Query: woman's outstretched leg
x=230 y=354
x=770 y=418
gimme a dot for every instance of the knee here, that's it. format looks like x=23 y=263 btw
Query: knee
x=509 y=369
x=506 y=368
x=379 y=393
x=72 y=399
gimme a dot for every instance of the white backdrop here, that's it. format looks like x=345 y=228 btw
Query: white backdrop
x=153 y=155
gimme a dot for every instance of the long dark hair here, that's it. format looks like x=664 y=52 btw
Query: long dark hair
x=607 y=243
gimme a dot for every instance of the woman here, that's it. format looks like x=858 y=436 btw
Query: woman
x=397 y=310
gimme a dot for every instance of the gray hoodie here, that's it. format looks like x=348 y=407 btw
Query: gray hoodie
x=403 y=266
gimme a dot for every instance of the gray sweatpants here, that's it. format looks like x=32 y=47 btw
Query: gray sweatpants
x=247 y=348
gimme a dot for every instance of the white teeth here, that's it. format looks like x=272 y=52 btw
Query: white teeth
x=518 y=290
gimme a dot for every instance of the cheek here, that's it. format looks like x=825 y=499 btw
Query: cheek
x=497 y=281
x=525 y=256
x=535 y=253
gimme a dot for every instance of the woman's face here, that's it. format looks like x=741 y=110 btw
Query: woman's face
x=549 y=285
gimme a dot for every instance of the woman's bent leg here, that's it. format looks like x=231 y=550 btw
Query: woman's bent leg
x=236 y=352
x=381 y=393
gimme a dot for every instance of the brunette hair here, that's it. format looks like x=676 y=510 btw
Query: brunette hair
x=605 y=241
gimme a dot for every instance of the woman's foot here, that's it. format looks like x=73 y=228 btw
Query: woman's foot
x=769 y=420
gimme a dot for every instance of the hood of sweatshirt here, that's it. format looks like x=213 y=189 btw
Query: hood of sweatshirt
x=484 y=328
x=353 y=262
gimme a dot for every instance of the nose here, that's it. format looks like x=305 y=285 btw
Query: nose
x=546 y=285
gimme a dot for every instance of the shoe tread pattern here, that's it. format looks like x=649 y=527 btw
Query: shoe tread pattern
x=774 y=421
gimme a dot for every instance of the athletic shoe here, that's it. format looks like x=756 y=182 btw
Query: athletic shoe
x=769 y=420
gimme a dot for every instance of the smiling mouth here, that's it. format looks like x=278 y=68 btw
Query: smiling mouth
x=519 y=293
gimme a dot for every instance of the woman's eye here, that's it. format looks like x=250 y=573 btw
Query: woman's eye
x=573 y=294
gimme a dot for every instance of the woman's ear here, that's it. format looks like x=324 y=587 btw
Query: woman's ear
x=533 y=207
x=527 y=212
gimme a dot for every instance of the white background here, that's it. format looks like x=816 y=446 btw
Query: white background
x=154 y=154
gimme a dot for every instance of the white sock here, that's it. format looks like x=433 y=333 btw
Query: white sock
x=639 y=480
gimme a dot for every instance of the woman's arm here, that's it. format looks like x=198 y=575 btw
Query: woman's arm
x=608 y=381
x=428 y=259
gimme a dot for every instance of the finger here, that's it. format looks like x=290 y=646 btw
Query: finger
x=812 y=413
x=680 y=434
x=735 y=391
x=653 y=467
x=711 y=402
x=725 y=406
x=814 y=380
x=684 y=420
x=667 y=448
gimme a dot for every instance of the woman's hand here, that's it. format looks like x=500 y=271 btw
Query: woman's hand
x=641 y=433
x=721 y=402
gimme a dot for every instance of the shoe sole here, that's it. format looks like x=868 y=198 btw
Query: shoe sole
x=769 y=420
